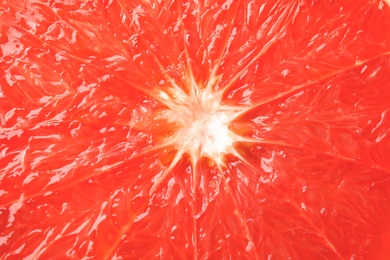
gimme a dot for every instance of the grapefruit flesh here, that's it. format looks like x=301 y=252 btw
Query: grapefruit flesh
x=194 y=129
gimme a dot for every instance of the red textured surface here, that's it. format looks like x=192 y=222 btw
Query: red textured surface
x=83 y=137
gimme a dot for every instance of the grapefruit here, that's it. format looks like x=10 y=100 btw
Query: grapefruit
x=179 y=129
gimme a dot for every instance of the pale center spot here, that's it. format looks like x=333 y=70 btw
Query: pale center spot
x=203 y=126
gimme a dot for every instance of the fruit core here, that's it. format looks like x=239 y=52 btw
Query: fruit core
x=203 y=125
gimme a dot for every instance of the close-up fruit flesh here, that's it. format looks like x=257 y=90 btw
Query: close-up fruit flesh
x=180 y=129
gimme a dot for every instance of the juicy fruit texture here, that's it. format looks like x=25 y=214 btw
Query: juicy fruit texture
x=194 y=129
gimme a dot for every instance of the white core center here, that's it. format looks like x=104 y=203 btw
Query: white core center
x=203 y=126
x=205 y=134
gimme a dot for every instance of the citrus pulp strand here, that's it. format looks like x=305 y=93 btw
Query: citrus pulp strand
x=171 y=199
x=63 y=32
x=49 y=85
x=260 y=216
x=216 y=215
x=309 y=53
x=330 y=199
x=328 y=119
x=155 y=45
x=41 y=136
x=205 y=26
x=67 y=222
x=255 y=30
x=108 y=202
x=42 y=169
